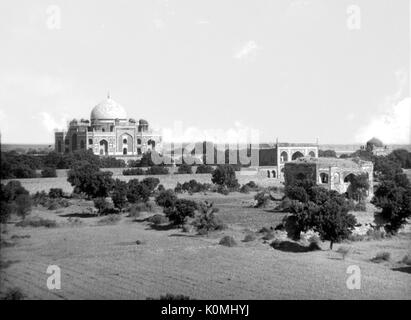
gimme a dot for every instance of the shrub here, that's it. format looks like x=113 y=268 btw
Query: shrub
x=224 y=175
x=37 y=222
x=269 y=236
x=119 y=194
x=102 y=205
x=193 y=186
x=381 y=256
x=139 y=207
x=178 y=188
x=160 y=188
x=133 y=172
x=344 y=251
x=206 y=220
x=250 y=237
x=228 y=241
x=361 y=206
x=155 y=170
x=245 y=189
x=262 y=198
x=151 y=183
x=109 y=219
x=184 y=169
x=53 y=204
x=166 y=198
x=180 y=211
x=223 y=190
x=13 y=294
x=56 y=193
x=23 y=205
x=158 y=219
x=203 y=168
x=49 y=172
x=406 y=260
x=137 y=191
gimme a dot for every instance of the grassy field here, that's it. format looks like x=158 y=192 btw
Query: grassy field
x=105 y=262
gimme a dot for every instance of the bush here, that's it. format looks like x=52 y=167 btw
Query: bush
x=263 y=198
x=151 y=183
x=381 y=256
x=133 y=172
x=13 y=294
x=180 y=211
x=228 y=241
x=139 y=207
x=37 y=222
x=119 y=194
x=344 y=251
x=155 y=170
x=249 y=237
x=56 y=193
x=203 y=168
x=223 y=190
x=193 y=186
x=158 y=219
x=206 y=221
x=102 y=205
x=137 y=191
x=166 y=198
x=245 y=189
x=224 y=175
x=49 y=173
x=23 y=205
x=178 y=188
x=184 y=169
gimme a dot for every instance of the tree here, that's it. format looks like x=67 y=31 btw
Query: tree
x=394 y=200
x=327 y=153
x=180 y=211
x=87 y=178
x=333 y=222
x=166 y=198
x=359 y=185
x=402 y=157
x=119 y=194
x=224 y=175
x=151 y=183
x=385 y=169
x=137 y=191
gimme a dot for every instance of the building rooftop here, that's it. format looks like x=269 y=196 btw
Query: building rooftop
x=333 y=162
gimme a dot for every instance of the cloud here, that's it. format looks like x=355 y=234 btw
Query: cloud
x=239 y=133
x=51 y=124
x=248 y=51
x=392 y=125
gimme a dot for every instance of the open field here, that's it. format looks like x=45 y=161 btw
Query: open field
x=104 y=261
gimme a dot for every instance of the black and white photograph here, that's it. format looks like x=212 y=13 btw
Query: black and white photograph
x=176 y=150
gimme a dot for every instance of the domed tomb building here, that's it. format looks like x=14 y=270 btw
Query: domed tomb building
x=109 y=132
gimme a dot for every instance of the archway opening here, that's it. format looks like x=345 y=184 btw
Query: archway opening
x=268 y=173
x=124 y=151
x=284 y=156
x=324 y=177
x=103 y=147
x=273 y=173
x=297 y=155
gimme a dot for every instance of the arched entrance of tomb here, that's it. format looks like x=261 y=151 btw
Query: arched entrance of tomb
x=274 y=173
x=297 y=155
x=284 y=156
x=103 y=147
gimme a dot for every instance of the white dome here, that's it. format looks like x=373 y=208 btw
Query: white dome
x=108 y=109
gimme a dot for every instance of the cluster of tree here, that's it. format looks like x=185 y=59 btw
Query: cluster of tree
x=87 y=178
x=14 y=199
x=15 y=165
x=324 y=211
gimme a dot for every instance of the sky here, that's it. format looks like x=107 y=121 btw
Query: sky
x=302 y=70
